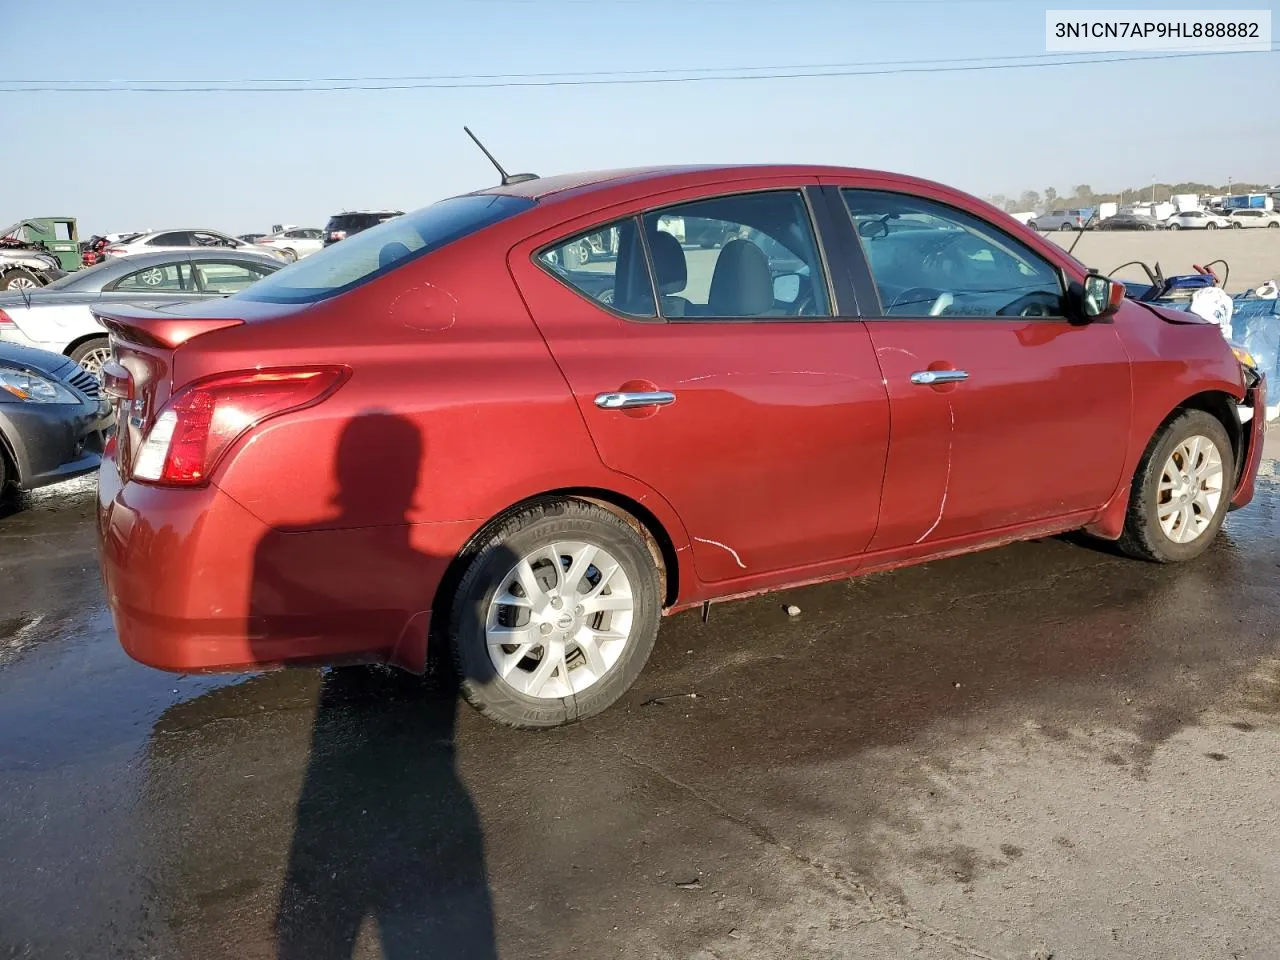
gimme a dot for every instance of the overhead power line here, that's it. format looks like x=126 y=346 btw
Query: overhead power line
x=659 y=71
x=602 y=78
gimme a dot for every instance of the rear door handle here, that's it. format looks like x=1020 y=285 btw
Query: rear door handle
x=629 y=401
x=929 y=378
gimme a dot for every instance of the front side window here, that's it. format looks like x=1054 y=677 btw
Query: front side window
x=606 y=266
x=372 y=253
x=171 y=277
x=227 y=278
x=738 y=257
x=931 y=260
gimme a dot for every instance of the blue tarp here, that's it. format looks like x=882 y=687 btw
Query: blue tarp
x=1255 y=325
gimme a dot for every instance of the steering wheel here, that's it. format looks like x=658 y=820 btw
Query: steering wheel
x=1030 y=305
x=938 y=300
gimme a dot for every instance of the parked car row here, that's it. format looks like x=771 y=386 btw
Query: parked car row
x=1184 y=220
x=59 y=317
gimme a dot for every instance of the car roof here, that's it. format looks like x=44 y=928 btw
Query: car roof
x=152 y=233
x=197 y=254
x=564 y=186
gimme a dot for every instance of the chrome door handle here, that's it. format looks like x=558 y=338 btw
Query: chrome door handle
x=629 y=401
x=929 y=378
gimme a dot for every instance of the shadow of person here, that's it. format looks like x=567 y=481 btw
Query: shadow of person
x=385 y=831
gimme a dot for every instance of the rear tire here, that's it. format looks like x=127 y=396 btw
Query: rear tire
x=290 y=254
x=1156 y=527
x=577 y=683
x=1273 y=225
x=1211 y=226
x=1066 y=228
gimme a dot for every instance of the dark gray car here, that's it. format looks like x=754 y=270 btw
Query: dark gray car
x=59 y=317
x=53 y=420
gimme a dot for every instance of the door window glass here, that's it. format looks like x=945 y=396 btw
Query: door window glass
x=735 y=257
x=169 y=277
x=607 y=266
x=217 y=277
x=931 y=260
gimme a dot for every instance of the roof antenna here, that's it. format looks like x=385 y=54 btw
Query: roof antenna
x=507 y=178
x=1080 y=233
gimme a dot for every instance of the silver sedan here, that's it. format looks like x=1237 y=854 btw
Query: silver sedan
x=59 y=317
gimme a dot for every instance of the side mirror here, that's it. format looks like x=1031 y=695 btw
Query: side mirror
x=786 y=287
x=1101 y=296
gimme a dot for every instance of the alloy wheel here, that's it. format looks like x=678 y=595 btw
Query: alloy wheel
x=94 y=359
x=1190 y=490
x=560 y=619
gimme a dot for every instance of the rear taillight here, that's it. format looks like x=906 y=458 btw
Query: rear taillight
x=115 y=252
x=201 y=422
x=335 y=235
x=6 y=320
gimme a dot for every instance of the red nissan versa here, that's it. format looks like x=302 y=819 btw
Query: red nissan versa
x=529 y=421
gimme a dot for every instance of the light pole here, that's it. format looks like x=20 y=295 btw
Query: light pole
x=1153 y=188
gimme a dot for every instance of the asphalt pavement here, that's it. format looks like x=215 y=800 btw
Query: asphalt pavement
x=1039 y=751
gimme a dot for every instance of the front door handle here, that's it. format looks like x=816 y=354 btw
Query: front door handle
x=630 y=401
x=931 y=378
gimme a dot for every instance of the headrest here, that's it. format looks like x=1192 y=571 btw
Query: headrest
x=672 y=272
x=742 y=285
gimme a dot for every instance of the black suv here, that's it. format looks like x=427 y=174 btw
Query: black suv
x=343 y=225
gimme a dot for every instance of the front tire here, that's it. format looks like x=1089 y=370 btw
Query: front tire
x=1211 y=226
x=1175 y=226
x=1180 y=491
x=1066 y=227
x=92 y=354
x=20 y=278
x=555 y=616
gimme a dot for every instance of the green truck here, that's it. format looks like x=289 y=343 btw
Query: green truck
x=37 y=251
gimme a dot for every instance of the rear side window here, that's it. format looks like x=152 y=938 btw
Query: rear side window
x=222 y=277
x=738 y=257
x=175 y=239
x=170 y=278
x=381 y=249
x=607 y=266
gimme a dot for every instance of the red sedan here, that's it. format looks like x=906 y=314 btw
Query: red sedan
x=527 y=422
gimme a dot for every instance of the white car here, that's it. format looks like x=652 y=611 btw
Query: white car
x=295 y=242
x=178 y=240
x=1197 y=220
x=1253 y=218
x=59 y=317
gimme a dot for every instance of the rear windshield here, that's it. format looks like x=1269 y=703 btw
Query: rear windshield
x=381 y=249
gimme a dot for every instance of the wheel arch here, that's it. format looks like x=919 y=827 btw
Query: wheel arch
x=662 y=546
x=81 y=340
x=639 y=517
x=1218 y=404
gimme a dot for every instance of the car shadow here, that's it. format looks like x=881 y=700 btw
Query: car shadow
x=385 y=831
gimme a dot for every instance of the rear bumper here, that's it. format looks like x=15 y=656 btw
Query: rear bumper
x=50 y=443
x=198 y=584
x=1255 y=436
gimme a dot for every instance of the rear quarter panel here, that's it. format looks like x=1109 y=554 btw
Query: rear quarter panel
x=444 y=344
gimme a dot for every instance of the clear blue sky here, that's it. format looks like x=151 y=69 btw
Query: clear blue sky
x=241 y=161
